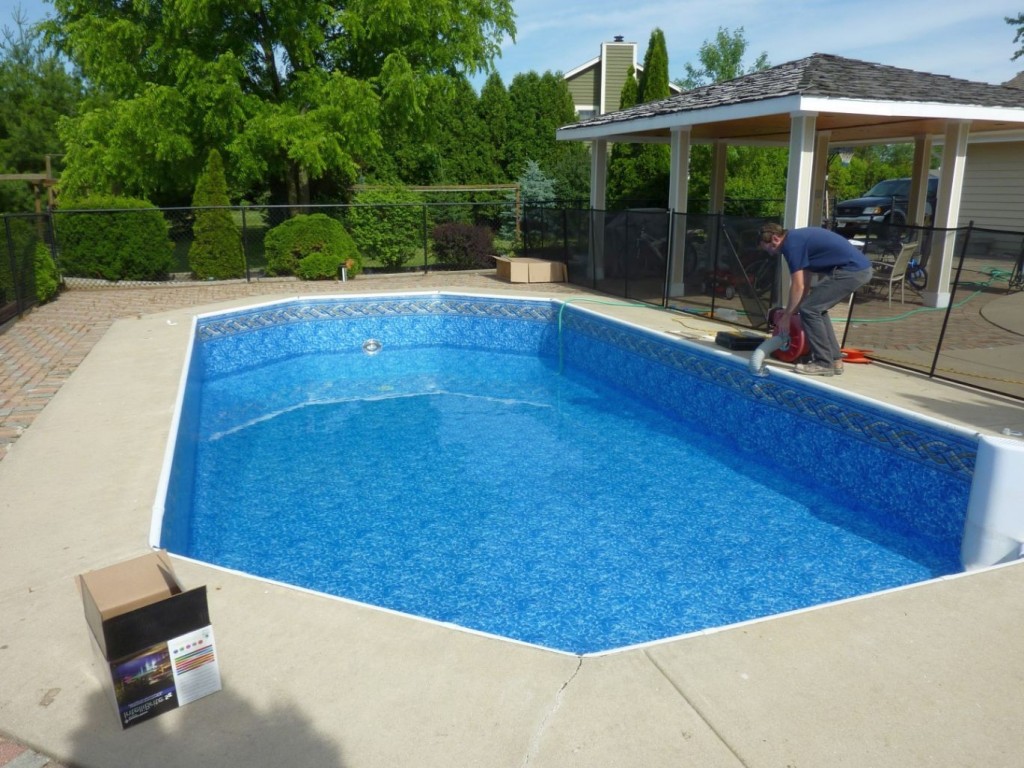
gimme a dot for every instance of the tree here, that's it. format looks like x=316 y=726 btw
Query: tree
x=653 y=84
x=36 y=89
x=721 y=60
x=495 y=110
x=535 y=189
x=538 y=106
x=216 y=249
x=1018 y=22
x=463 y=139
x=756 y=174
x=387 y=225
x=296 y=92
x=638 y=174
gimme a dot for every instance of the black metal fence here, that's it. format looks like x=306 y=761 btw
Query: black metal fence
x=706 y=264
x=23 y=236
x=710 y=265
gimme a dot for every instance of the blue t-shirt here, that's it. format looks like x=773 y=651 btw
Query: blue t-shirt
x=821 y=250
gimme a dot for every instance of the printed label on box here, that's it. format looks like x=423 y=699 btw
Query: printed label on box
x=143 y=685
x=194 y=664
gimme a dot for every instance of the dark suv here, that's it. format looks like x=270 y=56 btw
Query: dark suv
x=886 y=202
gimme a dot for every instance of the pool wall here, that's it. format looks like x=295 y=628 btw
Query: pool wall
x=912 y=469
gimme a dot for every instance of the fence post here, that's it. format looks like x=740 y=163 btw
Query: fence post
x=426 y=244
x=245 y=251
x=952 y=299
x=10 y=259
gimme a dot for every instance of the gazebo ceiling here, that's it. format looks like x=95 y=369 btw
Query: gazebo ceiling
x=857 y=102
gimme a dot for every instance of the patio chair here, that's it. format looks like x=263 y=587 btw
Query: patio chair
x=888 y=274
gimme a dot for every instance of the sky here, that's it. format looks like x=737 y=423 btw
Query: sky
x=968 y=40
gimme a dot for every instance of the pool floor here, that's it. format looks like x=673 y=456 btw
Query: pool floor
x=493 y=491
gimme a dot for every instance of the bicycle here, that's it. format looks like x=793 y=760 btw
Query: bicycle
x=916 y=276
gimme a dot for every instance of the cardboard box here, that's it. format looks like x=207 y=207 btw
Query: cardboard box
x=153 y=639
x=525 y=269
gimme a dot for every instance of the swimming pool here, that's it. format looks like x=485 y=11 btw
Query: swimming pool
x=895 y=472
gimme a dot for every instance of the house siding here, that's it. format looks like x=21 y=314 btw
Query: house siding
x=992 y=195
x=585 y=88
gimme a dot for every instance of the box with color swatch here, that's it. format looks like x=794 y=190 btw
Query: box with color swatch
x=154 y=640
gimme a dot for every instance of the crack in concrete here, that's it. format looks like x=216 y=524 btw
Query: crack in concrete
x=555 y=706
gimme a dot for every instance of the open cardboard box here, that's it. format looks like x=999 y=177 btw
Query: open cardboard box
x=153 y=639
x=525 y=269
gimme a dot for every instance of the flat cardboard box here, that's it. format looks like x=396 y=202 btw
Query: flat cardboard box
x=526 y=269
x=153 y=640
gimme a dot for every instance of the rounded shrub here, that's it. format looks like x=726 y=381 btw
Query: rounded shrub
x=387 y=225
x=311 y=246
x=113 y=238
x=463 y=246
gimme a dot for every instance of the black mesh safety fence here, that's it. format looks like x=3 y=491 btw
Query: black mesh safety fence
x=28 y=241
x=952 y=308
x=147 y=245
x=946 y=303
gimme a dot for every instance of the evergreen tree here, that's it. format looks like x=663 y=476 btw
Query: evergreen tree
x=620 y=161
x=467 y=155
x=639 y=175
x=495 y=108
x=653 y=85
x=1018 y=22
x=539 y=106
x=535 y=189
x=216 y=250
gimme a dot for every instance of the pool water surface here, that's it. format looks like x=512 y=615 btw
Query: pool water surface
x=512 y=494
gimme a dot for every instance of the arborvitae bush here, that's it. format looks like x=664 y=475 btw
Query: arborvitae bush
x=463 y=246
x=113 y=238
x=216 y=250
x=47 y=276
x=311 y=246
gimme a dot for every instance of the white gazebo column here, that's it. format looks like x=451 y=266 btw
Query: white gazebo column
x=798 y=186
x=801 y=169
x=598 y=198
x=678 y=191
x=947 y=214
x=817 y=213
x=919 y=182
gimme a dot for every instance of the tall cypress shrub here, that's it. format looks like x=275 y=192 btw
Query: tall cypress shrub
x=216 y=250
x=639 y=175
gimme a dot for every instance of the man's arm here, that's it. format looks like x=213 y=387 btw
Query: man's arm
x=797 y=289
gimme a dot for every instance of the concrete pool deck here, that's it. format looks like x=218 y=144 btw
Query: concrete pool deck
x=927 y=676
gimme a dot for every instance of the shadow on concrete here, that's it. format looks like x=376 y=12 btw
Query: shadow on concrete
x=219 y=730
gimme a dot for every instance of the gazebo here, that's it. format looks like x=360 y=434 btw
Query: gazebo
x=815 y=105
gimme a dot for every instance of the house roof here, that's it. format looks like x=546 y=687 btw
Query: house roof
x=857 y=101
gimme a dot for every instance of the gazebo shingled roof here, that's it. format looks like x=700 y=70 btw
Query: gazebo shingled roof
x=819 y=76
